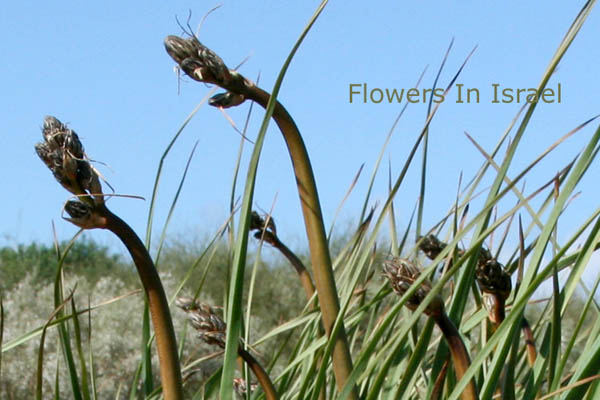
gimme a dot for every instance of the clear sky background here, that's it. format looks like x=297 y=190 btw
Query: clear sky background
x=102 y=68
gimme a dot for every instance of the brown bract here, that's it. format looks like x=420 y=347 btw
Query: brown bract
x=431 y=246
x=226 y=100
x=211 y=328
x=265 y=229
x=63 y=154
x=493 y=279
x=402 y=274
x=197 y=61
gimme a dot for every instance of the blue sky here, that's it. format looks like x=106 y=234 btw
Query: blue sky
x=102 y=68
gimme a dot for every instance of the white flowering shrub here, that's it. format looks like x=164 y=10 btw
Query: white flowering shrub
x=114 y=337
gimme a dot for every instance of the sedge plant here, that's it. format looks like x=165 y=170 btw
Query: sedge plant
x=396 y=352
x=64 y=155
x=203 y=65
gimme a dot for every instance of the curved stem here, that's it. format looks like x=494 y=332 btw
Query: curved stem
x=458 y=351
x=261 y=374
x=315 y=230
x=529 y=342
x=497 y=311
x=166 y=344
x=203 y=65
x=307 y=285
x=438 y=386
x=305 y=279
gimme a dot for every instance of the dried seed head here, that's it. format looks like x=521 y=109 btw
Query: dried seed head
x=402 y=274
x=57 y=135
x=258 y=223
x=197 y=60
x=431 y=246
x=226 y=100
x=240 y=386
x=211 y=328
x=489 y=273
x=485 y=255
x=63 y=154
x=265 y=230
x=493 y=279
x=82 y=214
x=179 y=49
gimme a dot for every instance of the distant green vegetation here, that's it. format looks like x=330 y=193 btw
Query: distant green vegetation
x=28 y=273
x=103 y=275
x=86 y=259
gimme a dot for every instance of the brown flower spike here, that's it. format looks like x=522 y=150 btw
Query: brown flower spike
x=203 y=65
x=267 y=231
x=211 y=328
x=63 y=154
x=197 y=60
x=402 y=274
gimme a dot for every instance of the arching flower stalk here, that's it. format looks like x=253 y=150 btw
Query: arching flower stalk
x=203 y=65
x=267 y=231
x=495 y=284
x=401 y=275
x=212 y=330
x=63 y=154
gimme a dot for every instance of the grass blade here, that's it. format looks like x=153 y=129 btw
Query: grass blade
x=234 y=304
